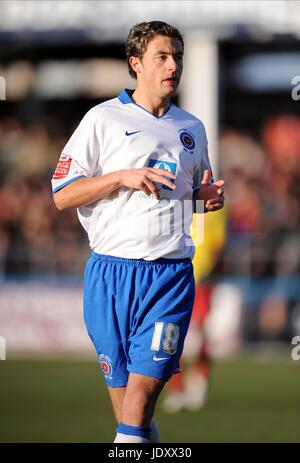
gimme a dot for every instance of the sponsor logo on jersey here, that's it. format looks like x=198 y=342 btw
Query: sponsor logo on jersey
x=169 y=166
x=131 y=133
x=187 y=140
x=63 y=167
x=105 y=364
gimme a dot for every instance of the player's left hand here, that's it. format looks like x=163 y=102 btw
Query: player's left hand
x=211 y=193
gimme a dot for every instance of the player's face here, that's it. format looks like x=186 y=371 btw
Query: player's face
x=161 y=66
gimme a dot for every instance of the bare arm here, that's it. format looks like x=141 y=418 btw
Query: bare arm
x=87 y=190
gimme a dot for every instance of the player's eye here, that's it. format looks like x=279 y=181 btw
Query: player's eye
x=163 y=57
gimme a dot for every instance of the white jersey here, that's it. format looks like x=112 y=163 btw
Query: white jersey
x=119 y=134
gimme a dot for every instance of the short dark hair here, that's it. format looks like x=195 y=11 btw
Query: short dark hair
x=141 y=34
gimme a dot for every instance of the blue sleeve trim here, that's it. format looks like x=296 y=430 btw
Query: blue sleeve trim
x=67 y=183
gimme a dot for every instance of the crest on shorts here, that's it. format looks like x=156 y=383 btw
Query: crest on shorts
x=105 y=364
x=187 y=140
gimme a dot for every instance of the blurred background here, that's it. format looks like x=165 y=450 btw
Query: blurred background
x=242 y=78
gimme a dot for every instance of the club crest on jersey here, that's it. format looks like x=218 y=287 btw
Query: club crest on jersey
x=169 y=166
x=187 y=140
x=105 y=364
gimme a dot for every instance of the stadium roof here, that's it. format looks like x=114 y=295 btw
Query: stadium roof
x=111 y=20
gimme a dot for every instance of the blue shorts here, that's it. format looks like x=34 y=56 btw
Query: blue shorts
x=137 y=314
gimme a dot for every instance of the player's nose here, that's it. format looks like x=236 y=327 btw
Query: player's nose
x=173 y=65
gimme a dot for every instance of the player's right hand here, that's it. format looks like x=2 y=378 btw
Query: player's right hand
x=145 y=179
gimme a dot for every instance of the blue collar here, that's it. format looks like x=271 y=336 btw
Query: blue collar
x=125 y=98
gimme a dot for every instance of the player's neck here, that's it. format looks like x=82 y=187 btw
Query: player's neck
x=151 y=103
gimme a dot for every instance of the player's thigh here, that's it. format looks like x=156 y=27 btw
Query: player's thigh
x=101 y=320
x=161 y=322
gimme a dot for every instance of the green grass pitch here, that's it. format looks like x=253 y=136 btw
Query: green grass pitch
x=66 y=401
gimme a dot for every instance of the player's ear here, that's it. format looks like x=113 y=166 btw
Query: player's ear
x=135 y=63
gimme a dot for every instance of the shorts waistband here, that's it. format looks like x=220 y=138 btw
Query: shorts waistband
x=123 y=260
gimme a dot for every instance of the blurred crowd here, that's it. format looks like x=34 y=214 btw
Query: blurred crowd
x=263 y=240
x=262 y=177
x=35 y=239
x=263 y=198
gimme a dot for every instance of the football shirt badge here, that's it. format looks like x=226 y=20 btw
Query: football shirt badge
x=187 y=140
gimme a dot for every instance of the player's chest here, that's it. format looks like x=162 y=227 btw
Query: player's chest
x=136 y=143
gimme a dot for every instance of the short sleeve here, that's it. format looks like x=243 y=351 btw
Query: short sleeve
x=80 y=156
